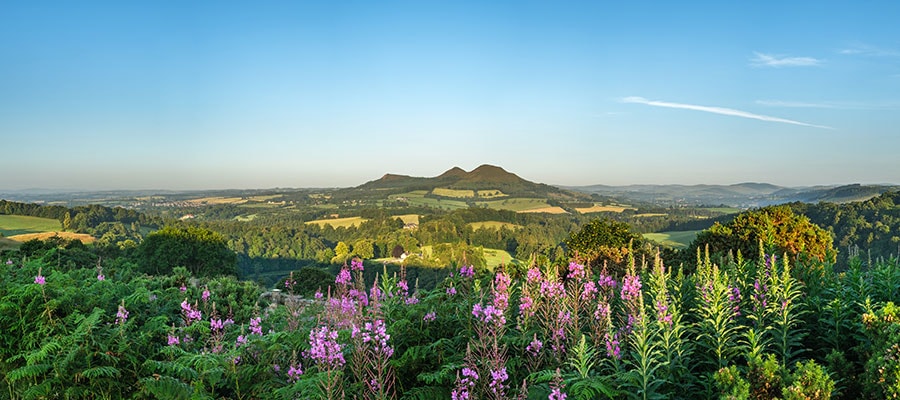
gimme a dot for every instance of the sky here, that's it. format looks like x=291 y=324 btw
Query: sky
x=217 y=95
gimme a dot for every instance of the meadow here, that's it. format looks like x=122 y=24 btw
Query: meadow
x=675 y=239
x=516 y=204
x=11 y=225
x=417 y=199
x=603 y=208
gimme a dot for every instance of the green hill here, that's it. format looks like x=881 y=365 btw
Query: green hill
x=484 y=178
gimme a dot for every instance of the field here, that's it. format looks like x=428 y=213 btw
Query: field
x=676 y=239
x=601 y=208
x=11 y=225
x=645 y=215
x=495 y=257
x=453 y=193
x=725 y=210
x=417 y=198
x=493 y=225
x=548 y=210
x=339 y=222
x=217 y=200
x=517 y=205
x=492 y=257
x=83 y=237
x=409 y=218
x=490 y=194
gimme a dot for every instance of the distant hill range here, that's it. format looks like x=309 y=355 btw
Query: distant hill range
x=742 y=195
x=487 y=179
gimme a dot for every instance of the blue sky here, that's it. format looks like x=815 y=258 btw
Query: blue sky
x=204 y=95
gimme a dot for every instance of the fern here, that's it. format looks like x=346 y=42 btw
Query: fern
x=594 y=387
x=445 y=375
x=427 y=393
x=165 y=387
x=28 y=372
x=99 y=372
x=41 y=354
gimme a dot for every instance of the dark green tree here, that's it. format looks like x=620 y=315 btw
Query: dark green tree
x=603 y=241
x=202 y=251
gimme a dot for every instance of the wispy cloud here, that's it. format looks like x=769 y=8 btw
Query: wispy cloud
x=777 y=61
x=835 y=105
x=869 y=50
x=718 y=110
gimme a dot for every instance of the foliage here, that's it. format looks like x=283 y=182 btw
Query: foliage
x=603 y=241
x=777 y=227
x=201 y=251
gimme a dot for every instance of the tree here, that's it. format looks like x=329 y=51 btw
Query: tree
x=364 y=248
x=341 y=253
x=603 y=241
x=777 y=227
x=202 y=251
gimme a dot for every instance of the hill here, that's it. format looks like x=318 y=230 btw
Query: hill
x=484 y=178
x=741 y=195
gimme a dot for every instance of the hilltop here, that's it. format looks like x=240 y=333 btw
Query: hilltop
x=485 y=181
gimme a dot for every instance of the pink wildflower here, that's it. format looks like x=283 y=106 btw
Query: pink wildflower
x=122 y=315
x=576 y=271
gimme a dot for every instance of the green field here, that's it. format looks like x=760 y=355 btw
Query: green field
x=493 y=225
x=492 y=257
x=724 y=210
x=417 y=198
x=522 y=204
x=495 y=257
x=11 y=225
x=676 y=239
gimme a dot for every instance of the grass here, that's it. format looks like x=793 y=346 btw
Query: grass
x=651 y=215
x=547 y=210
x=265 y=198
x=676 y=239
x=453 y=193
x=493 y=225
x=83 y=237
x=490 y=194
x=217 y=200
x=517 y=205
x=8 y=244
x=601 y=208
x=339 y=222
x=260 y=205
x=245 y=218
x=492 y=257
x=11 y=225
x=409 y=218
x=724 y=210
x=417 y=198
